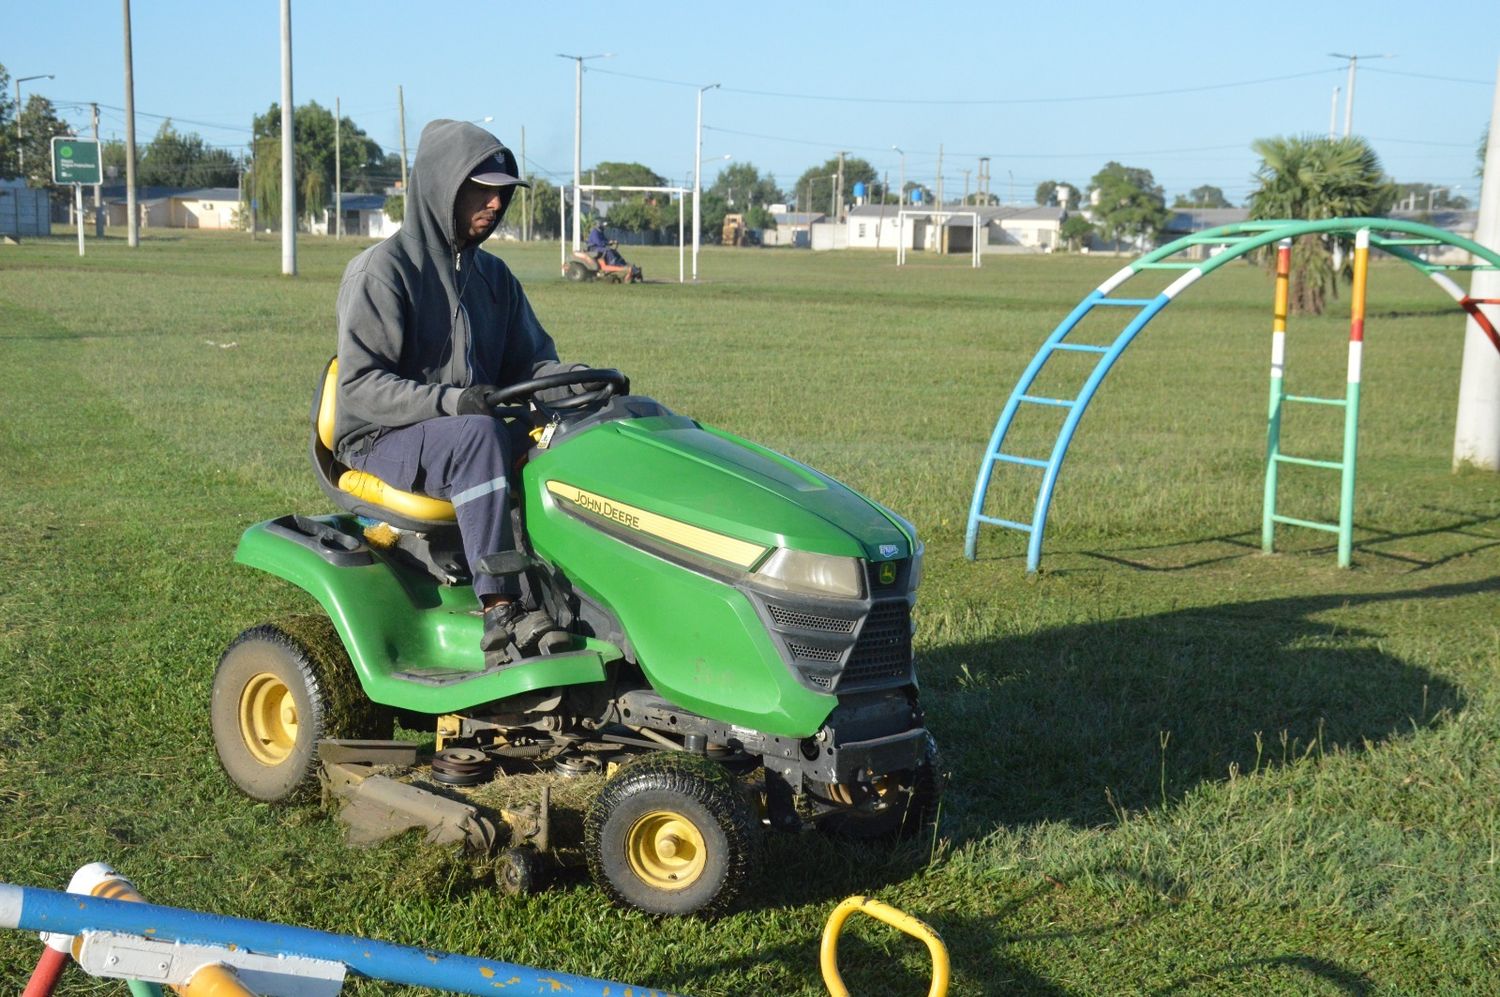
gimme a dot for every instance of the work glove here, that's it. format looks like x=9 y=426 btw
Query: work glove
x=558 y=394
x=472 y=400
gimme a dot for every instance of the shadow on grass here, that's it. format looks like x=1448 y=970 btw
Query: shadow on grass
x=1069 y=724
x=875 y=959
x=1367 y=542
x=1266 y=972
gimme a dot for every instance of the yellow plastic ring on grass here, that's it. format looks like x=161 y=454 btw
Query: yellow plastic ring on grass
x=666 y=850
x=828 y=955
x=268 y=719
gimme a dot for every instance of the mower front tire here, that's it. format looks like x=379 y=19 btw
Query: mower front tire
x=671 y=834
x=279 y=689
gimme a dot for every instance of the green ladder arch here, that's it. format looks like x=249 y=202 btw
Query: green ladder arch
x=1401 y=239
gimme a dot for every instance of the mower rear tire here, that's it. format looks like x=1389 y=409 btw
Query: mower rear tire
x=280 y=688
x=576 y=271
x=672 y=834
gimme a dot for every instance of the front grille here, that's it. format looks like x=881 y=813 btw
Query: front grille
x=883 y=650
x=813 y=653
x=796 y=620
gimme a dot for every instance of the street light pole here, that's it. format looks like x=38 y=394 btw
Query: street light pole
x=901 y=190
x=21 y=149
x=578 y=140
x=698 y=177
x=288 y=150
x=1349 y=96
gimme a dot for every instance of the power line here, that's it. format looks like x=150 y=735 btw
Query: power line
x=1415 y=141
x=969 y=102
x=1428 y=76
x=163 y=117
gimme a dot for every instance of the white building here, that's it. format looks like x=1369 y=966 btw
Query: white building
x=364 y=215
x=1003 y=229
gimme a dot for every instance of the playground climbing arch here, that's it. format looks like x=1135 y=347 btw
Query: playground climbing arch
x=1411 y=242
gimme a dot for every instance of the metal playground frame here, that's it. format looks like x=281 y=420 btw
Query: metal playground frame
x=1404 y=240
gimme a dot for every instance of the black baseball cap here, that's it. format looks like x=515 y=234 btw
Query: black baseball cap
x=497 y=171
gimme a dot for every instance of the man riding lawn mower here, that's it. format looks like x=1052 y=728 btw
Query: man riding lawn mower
x=600 y=258
x=727 y=638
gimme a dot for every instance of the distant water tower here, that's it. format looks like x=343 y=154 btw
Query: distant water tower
x=859 y=192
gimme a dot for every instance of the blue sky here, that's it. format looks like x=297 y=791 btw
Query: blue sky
x=1045 y=91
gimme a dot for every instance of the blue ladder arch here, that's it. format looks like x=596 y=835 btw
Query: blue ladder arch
x=1401 y=239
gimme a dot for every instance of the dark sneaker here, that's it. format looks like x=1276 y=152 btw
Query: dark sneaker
x=513 y=632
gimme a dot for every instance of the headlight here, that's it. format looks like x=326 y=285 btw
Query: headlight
x=916 y=566
x=814 y=574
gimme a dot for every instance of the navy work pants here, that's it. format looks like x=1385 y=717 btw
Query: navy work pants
x=466 y=459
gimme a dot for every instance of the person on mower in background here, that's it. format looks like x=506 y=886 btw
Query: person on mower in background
x=603 y=248
x=428 y=327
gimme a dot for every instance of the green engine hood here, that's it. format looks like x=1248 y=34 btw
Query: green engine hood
x=705 y=477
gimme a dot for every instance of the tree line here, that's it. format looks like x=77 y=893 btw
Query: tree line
x=1299 y=177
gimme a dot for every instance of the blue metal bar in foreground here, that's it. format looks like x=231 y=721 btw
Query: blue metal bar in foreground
x=31 y=909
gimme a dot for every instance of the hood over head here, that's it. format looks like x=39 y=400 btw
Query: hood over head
x=447 y=153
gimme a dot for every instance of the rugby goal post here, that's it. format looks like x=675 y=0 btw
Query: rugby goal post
x=938 y=216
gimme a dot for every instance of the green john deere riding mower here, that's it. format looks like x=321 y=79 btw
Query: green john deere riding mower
x=741 y=642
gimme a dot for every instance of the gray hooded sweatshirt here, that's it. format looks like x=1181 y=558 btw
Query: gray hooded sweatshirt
x=419 y=317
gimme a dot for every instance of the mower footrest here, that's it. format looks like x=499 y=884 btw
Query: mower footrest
x=892 y=753
x=444 y=677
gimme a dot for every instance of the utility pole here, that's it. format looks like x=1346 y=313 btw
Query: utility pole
x=983 y=179
x=288 y=150
x=578 y=164
x=401 y=114
x=901 y=193
x=1333 y=115
x=940 y=177
x=1476 y=434
x=578 y=139
x=98 y=210
x=338 y=174
x=525 y=193
x=132 y=219
x=966 y=187
x=1349 y=96
x=838 y=197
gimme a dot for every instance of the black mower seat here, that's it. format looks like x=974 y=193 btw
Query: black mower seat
x=359 y=491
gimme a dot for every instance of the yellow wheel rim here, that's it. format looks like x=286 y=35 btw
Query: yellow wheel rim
x=666 y=850
x=268 y=719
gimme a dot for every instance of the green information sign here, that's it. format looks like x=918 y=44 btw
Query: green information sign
x=76 y=160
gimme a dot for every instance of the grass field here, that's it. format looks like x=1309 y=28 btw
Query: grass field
x=1175 y=765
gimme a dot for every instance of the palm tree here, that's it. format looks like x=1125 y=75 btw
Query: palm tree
x=1312 y=178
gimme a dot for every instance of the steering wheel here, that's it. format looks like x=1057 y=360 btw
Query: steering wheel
x=612 y=383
